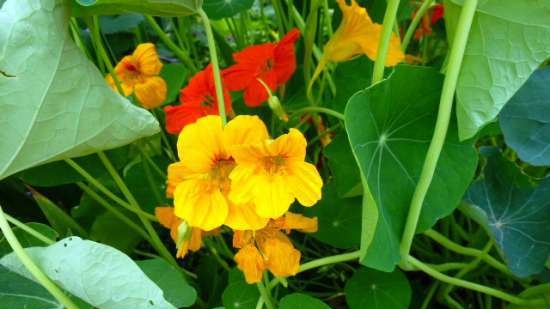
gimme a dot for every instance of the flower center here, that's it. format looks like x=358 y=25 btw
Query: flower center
x=268 y=66
x=219 y=175
x=208 y=101
x=274 y=164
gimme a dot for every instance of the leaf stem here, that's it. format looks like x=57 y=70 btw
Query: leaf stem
x=414 y=23
x=329 y=260
x=180 y=53
x=447 y=243
x=264 y=294
x=471 y=285
x=443 y=117
x=31 y=266
x=384 y=44
x=319 y=109
x=215 y=65
x=29 y=230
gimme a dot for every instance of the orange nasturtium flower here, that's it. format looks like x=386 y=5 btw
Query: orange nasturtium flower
x=200 y=182
x=138 y=74
x=270 y=248
x=357 y=35
x=271 y=63
x=198 y=99
x=271 y=174
x=192 y=242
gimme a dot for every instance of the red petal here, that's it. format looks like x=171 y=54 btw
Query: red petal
x=285 y=56
x=256 y=94
x=177 y=117
x=437 y=13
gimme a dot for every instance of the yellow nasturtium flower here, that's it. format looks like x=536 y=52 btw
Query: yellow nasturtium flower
x=357 y=35
x=271 y=174
x=200 y=181
x=138 y=73
x=270 y=248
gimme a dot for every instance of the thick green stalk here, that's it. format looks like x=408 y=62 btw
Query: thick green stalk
x=443 y=117
x=384 y=44
x=319 y=109
x=29 y=230
x=31 y=266
x=414 y=23
x=180 y=53
x=215 y=65
x=471 y=285
x=329 y=260
x=264 y=294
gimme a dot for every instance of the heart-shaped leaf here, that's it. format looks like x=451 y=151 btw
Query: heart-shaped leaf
x=54 y=103
x=390 y=125
x=369 y=288
x=517 y=214
x=218 y=9
x=525 y=120
x=99 y=275
x=507 y=42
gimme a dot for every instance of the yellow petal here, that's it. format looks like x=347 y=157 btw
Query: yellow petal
x=369 y=45
x=242 y=238
x=250 y=262
x=177 y=172
x=272 y=195
x=242 y=184
x=245 y=129
x=244 y=217
x=305 y=182
x=200 y=144
x=147 y=59
x=299 y=222
x=282 y=259
x=126 y=89
x=291 y=145
x=151 y=93
x=200 y=205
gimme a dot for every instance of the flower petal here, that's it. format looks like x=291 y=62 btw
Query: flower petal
x=272 y=195
x=282 y=259
x=243 y=130
x=299 y=222
x=152 y=92
x=251 y=263
x=306 y=183
x=147 y=59
x=244 y=217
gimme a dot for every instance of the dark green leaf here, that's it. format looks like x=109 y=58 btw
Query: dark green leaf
x=172 y=282
x=149 y=7
x=175 y=74
x=298 y=300
x=339 y=219
x=19 y=292
x=28 y=240
x=238 y=294
x=123 y=23
x=110 y=230
x=390 y=126
x=218 y=9
x=507 y=42
x=343 y=166
x=346 y=86
x=369 y=288
x=517 y=214
x=525 y=120
x=147 y=186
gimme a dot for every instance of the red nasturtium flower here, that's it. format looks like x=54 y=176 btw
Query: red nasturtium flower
x=273 y=63
x=197 y=100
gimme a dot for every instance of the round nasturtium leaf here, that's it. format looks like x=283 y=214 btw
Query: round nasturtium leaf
x=218 y=9
x=369 y=288
x=298 y=300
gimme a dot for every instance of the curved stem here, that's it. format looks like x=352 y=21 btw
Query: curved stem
x=215 y=65
x=29 y=230
x=31 y=266
x=414 y=23
x=319 y=109
x=471 y=285
x=329 y=260
x=441 y=125
x=180 y=53
x=447 y=243
x=384 y=44
x=264 y=294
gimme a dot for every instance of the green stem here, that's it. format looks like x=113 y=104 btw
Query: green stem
x=29 y=230
x=31 y=266
x=215 y=65
x=106 y=191
x=448 y=266
x=319 y=109
x=102 y=202
x=447 y=243
x=430 y=295
x=441 y=125
x=264 y=294
x=155 y=240
x=384 y=44
x=414 y=23
x=181 y=54
x=329 y=260
x=471 y=285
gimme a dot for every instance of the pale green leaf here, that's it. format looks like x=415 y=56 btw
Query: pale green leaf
x=99 y=275
x=150 y=7
x=509 y=39
x=54 y=103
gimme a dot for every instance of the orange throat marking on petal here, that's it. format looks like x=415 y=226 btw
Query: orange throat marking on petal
x=274 y=164
x=219 y=175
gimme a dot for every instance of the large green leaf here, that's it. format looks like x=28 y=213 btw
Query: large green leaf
x=507 y=42
x=298 y=300
x=217 y=9
x=369 y=288
x=54 y=103
x=238 y=294
x=390 y=126
x=343 y=166
x=172 y=282
x=525 y=120
x=150 y=7
x=98 y=274
x=108 y=229
x=517 y=214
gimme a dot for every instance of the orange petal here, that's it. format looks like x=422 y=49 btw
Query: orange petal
x=299 y=222
x=166 y=216
x=250 y=262
x=147 y=59
x=282 y=259
x=151 y=93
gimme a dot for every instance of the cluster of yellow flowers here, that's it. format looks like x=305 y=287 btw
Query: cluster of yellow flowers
x=236 y=175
